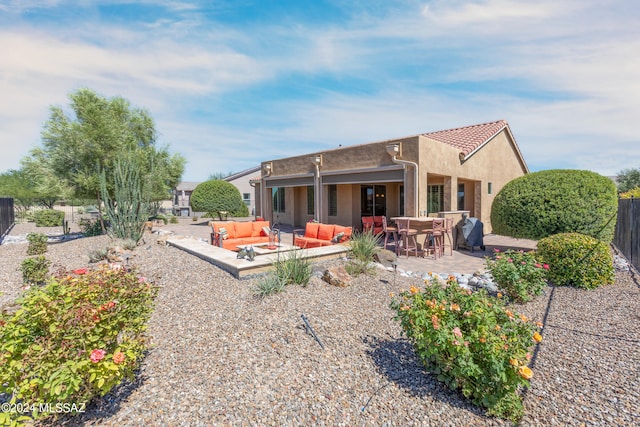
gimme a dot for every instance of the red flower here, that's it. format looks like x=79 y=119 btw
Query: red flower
x=510 y=260
x=537 y=265
x=80 y=271
x=545 y=266
x=97 y=355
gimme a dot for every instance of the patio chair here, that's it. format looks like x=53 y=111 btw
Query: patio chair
x=408 y=238
x=434 y=239
x=390 y=231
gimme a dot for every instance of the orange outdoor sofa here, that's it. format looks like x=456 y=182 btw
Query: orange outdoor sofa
x=317 y=235
x=229 y=234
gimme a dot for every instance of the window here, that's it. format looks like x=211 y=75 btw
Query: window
x=311 y=200
x=333 y=200
x=246 y=198
x=278 y=199
x=489 y=188
x=435 y=198
x=460 y=197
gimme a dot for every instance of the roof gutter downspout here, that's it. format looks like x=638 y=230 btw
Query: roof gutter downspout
x=405 y=163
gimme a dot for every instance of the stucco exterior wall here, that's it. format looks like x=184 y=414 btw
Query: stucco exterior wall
x=496 y=162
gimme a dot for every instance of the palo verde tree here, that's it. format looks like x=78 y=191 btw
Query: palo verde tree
x=78 y=147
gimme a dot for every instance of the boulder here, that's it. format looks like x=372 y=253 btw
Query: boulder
x=337 y=276
x=386 y=257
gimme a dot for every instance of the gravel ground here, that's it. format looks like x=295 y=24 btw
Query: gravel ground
x=220 y=356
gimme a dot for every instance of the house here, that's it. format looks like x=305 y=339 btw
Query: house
x=443 y=173
x=243 y=182
x=181 y=198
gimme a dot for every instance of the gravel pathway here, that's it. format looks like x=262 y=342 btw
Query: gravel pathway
x=220 y=356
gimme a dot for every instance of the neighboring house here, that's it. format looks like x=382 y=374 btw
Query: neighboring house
x=243 y=182
x=182 y=198
x=437 y=173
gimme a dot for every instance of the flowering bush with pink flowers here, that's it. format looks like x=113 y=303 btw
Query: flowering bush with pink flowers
x=518 y=273
x=472 y=342
x=75 y=338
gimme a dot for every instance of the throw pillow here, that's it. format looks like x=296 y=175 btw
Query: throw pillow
x=223 y=233
x=337 y=237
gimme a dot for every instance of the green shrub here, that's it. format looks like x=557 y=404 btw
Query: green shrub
x=37 y=243
x=74 y=339
x=49 y=218
x=173 y=219
x=518 y=273
x=545 y=203
x=577 y=260
x=217 y=196
x=91 y=228
x=631 y=194
x=471 y=342
x=35 y=270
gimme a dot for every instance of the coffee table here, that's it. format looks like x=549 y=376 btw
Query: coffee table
x=262 y=249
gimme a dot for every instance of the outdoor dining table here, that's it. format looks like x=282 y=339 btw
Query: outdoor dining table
x=420 y=223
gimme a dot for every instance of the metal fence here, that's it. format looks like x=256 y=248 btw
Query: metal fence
x=627 y=239
x=7 y=215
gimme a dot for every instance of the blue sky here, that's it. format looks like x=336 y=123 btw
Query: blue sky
x=232 y=83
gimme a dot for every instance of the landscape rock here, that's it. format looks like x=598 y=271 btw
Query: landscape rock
x=337 y=276
x=386 y=257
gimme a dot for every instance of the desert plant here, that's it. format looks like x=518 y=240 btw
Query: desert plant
x=363 y=246
x=49 y=218
x=545 y=203
x=37 y=243
x=91 y=228
x=268 y=284
x=97 y=255
x=216 y=196
x=518 y=273
x=577 y=260
x=173 y=219
x=362 y=249
x=471 y=342
x=293 y=269
x=128 y=244
x=35 y=270
x=130 y=207
x=73 y=339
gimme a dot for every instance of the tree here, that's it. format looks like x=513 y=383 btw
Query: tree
x=48 y=188
x=545 y=203
x=78 y=148
x=16 y=184
x=219 y=175
x=628 y=179
x=216 y=196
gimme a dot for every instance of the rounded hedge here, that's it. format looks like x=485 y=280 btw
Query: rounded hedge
x=49 y=218
x=541 y=204
x=218 y=196
x=577 y=260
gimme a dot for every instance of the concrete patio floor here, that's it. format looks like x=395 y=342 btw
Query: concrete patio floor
x=462 y=260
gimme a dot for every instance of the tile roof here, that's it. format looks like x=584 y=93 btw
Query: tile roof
x=469 y=138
